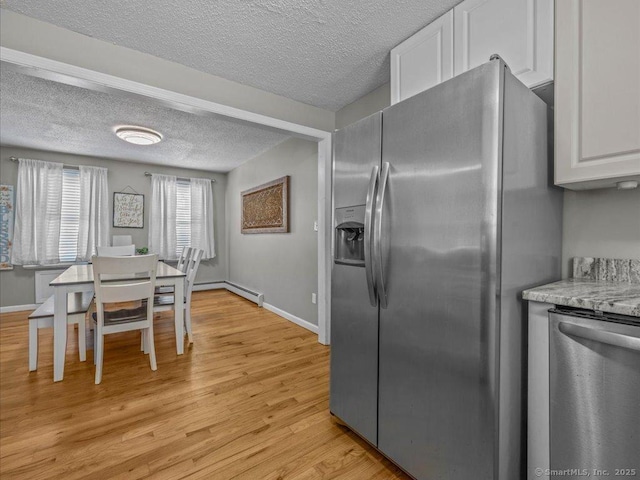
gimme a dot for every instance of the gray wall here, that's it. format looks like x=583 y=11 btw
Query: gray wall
x=17 y=285
x=363 y=107
x=600 y=223
x=283 y=266
x=596 y=223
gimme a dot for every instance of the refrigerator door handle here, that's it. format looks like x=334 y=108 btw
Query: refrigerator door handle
x=602 y=336
x=368 y=229
x=377 y=235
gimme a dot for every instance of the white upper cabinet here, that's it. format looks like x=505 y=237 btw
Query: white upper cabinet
x=424 y=60
x=597 y=93
x=520 y=31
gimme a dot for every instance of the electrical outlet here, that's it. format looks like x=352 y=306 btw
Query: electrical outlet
x=313 y=298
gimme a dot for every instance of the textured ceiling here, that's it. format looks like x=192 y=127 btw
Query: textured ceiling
x=46 y=115
x=326 y=53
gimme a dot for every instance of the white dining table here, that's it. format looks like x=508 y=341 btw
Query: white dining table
x=79 y=278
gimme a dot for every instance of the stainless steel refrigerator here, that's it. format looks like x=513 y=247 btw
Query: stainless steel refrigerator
x=443 y=213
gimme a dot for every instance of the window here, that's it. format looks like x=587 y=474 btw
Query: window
x=69 y=215
x=62 y=214
x=183 y=216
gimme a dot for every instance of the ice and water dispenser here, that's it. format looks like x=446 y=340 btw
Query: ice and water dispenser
x=349 y=231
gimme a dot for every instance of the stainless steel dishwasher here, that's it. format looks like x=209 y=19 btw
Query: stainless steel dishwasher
x=594 y=394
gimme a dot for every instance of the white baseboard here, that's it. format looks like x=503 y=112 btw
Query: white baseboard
x=198 y=287
x=18 y=308
x=292 y=318
x=33 y=306
x=255 y=297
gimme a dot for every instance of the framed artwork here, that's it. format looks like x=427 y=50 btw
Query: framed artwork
x=128 y=210
x=265 y=208
x=6 y=226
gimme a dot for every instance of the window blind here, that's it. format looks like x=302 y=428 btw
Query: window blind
x=69 y=215
x=183 y=216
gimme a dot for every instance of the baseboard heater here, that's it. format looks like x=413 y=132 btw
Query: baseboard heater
x=255 y=297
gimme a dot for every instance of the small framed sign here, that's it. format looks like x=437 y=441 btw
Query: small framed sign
x=128 y=210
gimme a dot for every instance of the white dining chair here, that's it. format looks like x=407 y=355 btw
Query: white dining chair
x=182 y=259
x=109 y=291
x=163 y=301
x=116 y=251
x=181 y=265
x=120 y=240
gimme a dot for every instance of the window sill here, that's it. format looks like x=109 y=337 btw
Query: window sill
x=52 y=266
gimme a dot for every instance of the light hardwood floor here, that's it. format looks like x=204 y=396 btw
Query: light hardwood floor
x=248 y=400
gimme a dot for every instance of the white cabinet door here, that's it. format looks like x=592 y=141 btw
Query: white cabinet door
x=423 y=60
x=597 y=96
x=520 y=31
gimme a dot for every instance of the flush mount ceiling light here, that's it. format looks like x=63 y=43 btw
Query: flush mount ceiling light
x=138 y=135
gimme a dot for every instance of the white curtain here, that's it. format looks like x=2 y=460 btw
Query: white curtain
x=94 y=211
x=162 y=218
x=202 y=217
x=37 y=223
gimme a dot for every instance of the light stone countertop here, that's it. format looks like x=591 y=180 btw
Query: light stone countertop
x=606 y=296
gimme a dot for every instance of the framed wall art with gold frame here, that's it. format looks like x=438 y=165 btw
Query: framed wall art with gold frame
x=265 y=208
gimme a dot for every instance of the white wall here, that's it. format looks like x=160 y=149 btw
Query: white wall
x=282 y=266
x=17 y=285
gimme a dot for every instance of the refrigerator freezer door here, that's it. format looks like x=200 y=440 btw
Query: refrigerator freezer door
x=438 y=352
x=356 y=152
x=354 y=321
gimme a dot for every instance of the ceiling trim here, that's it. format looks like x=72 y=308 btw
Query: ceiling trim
x=30 y=61
x=29 y=35
x=89 y=78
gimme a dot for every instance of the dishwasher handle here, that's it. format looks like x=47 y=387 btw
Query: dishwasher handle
x=603 y=336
